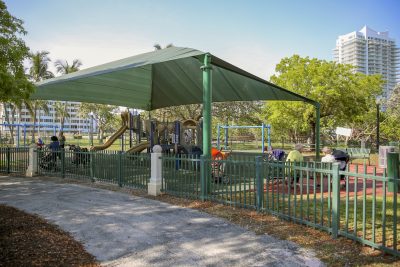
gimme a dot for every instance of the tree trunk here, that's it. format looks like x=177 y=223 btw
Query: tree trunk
x=7 y=119
x=101 y=135
x=61 y=123
x=313 y=135
x=12 y=127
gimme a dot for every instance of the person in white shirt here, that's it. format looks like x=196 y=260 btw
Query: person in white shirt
x=328 y=155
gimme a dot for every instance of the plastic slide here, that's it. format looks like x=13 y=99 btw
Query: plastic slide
x=111 y=140
x=139 y=148
x=116 y=135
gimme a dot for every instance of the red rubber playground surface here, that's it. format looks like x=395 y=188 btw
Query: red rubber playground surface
x=355 y=184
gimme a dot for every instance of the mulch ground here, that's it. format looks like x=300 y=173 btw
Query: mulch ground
x=28 y=240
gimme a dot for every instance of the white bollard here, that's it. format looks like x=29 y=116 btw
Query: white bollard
x=33 y=161
x=154 y=186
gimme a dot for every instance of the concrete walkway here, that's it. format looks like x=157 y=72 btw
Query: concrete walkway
x=124 y=230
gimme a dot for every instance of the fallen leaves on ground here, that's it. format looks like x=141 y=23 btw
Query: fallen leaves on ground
x=28 y=240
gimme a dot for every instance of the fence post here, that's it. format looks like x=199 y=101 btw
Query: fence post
x=393 y=186
x=260 y=184
x=154 y=186
x=62 y=162
x=8 y=155
x=203 y=179
x=91 y=155
x=120 y=168
x=33 y=161
x=393 y=171
x=335 y=200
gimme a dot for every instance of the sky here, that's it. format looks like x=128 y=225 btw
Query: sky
x=253 y=35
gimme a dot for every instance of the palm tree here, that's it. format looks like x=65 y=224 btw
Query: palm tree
x=158 y=46
x=61 y=112
x=40 y=64
x=63 y=67
x=38 y=72
x=34 y=108
x=61 y=108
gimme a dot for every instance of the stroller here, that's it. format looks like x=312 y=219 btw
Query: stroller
x=80 y=155
x=342 y=158
x=48 y=161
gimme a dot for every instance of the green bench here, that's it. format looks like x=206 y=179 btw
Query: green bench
x=357 y=153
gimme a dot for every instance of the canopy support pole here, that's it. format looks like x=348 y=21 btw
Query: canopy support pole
x=317 y=137
x=207 y=100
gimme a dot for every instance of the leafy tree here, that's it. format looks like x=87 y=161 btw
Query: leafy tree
x=103 y=114
x=239 y=112
x=183 y=112
x=13 y=51
x=342 y=93
x=390 y=122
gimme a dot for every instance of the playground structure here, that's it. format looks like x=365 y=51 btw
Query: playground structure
x=134 y=125
x=226 y=134
x=177 y=136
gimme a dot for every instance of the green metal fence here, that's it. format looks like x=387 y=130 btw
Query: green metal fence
x=123 y=169
x=355 y=203
x=359 y=203
x=14 y=160
x=181 y=175
x=368 y=211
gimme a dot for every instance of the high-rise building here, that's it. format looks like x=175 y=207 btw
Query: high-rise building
x=371 y=52
x=74 y=123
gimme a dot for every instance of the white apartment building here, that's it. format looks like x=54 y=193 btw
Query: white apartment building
x=371 y=52
x=47 y=121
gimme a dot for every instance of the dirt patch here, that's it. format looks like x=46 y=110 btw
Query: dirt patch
x=28 y=240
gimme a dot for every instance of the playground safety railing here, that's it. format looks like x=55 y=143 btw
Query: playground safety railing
x=181 y=175
x=14 y=159
x=359 y=203
x=122 y=169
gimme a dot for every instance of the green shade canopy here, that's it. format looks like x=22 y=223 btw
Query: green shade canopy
x=162 y=78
